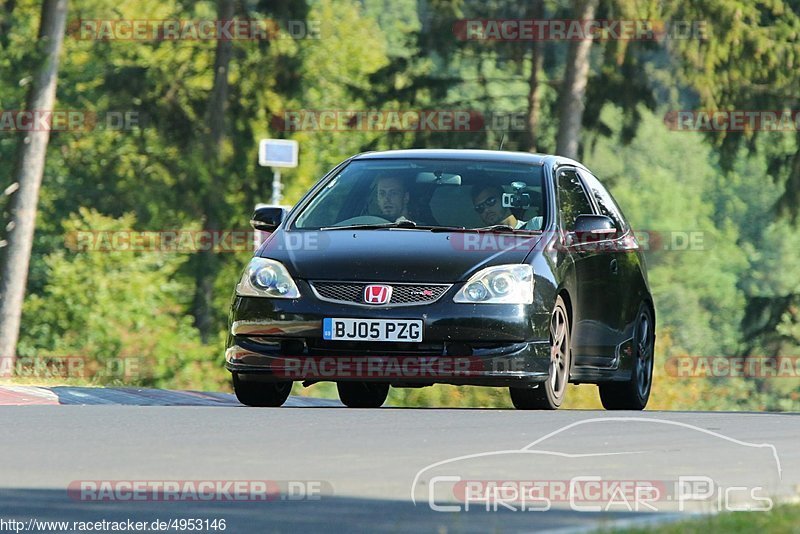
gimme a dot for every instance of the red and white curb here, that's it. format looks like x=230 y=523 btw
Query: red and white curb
x=25 y=395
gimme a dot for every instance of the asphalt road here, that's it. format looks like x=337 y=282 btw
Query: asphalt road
x=334 y=469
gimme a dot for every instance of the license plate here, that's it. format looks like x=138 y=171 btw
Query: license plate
x=372 y=329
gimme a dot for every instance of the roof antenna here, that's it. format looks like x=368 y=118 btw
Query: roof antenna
x=502 y=140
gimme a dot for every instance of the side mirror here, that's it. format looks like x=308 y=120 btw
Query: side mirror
x=594 y=225
x=268 y=218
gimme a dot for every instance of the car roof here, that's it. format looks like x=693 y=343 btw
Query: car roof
x=465 y=154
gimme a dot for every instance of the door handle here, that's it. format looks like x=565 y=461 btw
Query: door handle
x=614 y=266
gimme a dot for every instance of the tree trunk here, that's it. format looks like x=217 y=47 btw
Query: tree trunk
x=206 y=263
x=571 y=104
x=28 y=176
x=536 y=12
x=218 y=101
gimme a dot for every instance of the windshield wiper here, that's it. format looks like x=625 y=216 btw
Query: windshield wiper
x=449 y=229
x=497 y=228
x=405 y=223
x=408 y=224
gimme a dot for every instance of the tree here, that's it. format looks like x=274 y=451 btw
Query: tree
x=748 y=61
x=28 y=178
x=207 y=265
x=573 y=90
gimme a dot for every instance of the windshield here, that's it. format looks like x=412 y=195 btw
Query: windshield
x=453 y=194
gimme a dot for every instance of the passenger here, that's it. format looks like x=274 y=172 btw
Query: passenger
x=488 y=203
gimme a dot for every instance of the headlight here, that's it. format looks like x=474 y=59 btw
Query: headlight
x=502 y=284
x=267 y=278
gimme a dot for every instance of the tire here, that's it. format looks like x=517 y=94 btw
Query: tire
x=634 y=393
x=261 y=394
x=363 y=394
x=550 y=394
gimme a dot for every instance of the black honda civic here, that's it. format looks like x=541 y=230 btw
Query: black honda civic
x=415 y=267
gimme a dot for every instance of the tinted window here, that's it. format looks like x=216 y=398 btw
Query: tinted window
x=572 y=200
x=605 y=202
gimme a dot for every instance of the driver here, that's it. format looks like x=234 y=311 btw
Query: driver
x=393 y=197
x=488 y=203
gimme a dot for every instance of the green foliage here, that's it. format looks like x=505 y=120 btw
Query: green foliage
x=782 y=519
x=748 y=61
x=104 y=306
x=353 y=47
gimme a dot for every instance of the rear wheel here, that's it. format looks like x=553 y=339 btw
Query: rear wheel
x=550 y=394
x=634 y=394
x=252 y=392
x=362 y=394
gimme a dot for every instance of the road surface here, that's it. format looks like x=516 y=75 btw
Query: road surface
x=333 y=469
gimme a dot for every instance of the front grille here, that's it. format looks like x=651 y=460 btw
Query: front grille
x=402 y=294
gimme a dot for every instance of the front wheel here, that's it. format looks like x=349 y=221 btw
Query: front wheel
x=362 y=394
x=634 y=393
x=550 y=394
x=263 y=394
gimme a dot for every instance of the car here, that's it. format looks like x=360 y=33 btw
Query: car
x=409 y=268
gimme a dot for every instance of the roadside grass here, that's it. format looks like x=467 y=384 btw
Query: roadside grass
x=783 y=519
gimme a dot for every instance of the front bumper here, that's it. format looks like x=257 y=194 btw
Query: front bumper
x=463 y=344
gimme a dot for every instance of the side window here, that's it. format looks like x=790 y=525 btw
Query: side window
x=605 y=202
x=572 y=200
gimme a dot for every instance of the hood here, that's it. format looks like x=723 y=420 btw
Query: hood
x=393 y=255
